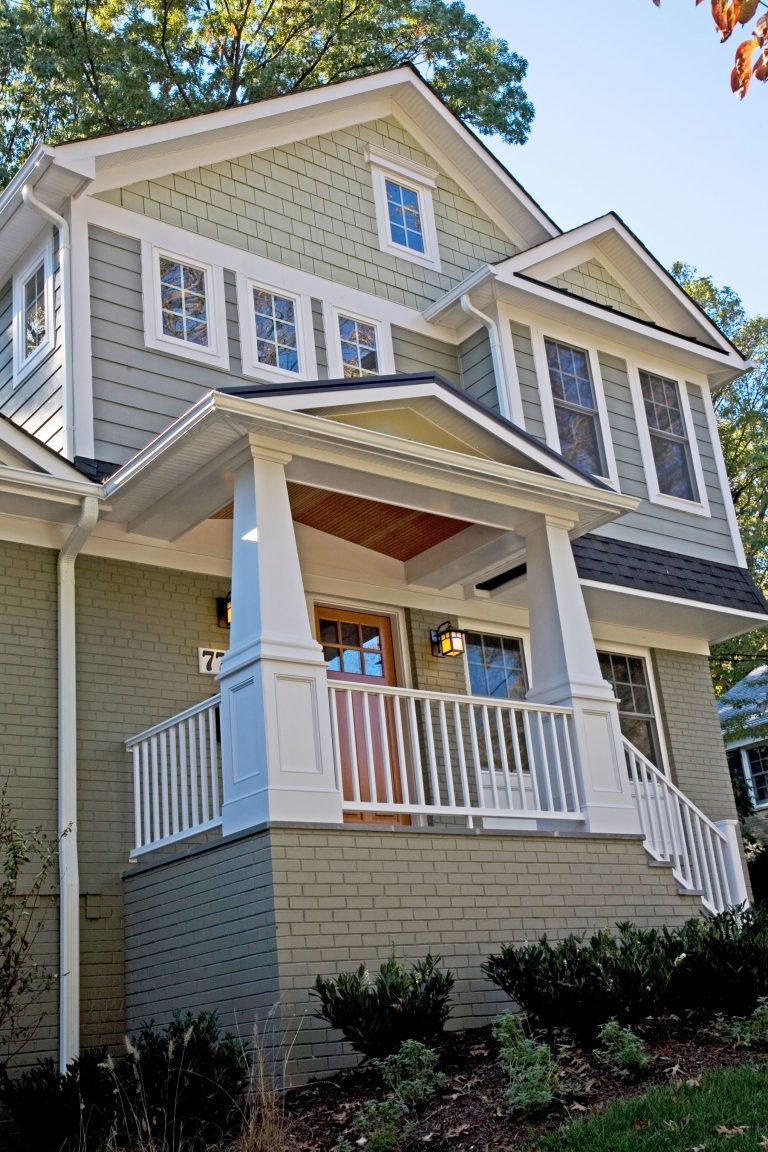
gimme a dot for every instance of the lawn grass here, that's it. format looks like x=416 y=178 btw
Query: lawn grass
x=679 y=1119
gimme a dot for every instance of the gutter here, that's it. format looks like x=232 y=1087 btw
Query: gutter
x=67 y=404
x=69 y=880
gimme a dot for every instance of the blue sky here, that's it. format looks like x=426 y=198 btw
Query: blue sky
x=634 y=113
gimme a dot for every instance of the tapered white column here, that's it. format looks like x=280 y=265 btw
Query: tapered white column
x=275 y=718
x=566 y=672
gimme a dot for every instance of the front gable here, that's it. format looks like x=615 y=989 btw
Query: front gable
x=592 y=281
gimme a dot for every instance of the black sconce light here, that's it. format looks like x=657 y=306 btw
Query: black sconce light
x=447 y=640
x=224 y=610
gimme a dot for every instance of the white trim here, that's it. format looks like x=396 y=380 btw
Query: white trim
x=202 y=249
x=384 y=352
x=698 y=507
x=417 y=179
x=510 y=382
x=722 y=474
x=216 y=352
x=82 y=366
x=618 y=649
x=24 y=365
x=538 y=336
x=744 y=751
x=305 y=338
x=760 y=618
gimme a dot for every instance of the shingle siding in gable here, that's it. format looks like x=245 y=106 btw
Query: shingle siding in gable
x=591 y=281
x=310 y=205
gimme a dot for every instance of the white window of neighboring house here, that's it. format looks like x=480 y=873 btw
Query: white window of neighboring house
x=754 y=767
x=630 y=679
x=357 y=345
x=405 y=216
x=668 y=441
x=184 y=306
x=33 y=313
x=276 y=338
x=496 y=665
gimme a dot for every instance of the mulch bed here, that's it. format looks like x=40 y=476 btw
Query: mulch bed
x=469 y=1114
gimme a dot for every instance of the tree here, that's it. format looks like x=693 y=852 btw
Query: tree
x=726 y=15
x=80 y=67
x=741 y=408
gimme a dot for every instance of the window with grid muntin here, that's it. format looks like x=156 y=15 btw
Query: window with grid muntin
x=628 y=676
x=669 y=436
x=578 y=420
x=496 y=666
x=359 y=347
x=183 y=302
x=35 y=318
x=758 y=770
x=276 y=332
x=351 y=647
x=404 y=213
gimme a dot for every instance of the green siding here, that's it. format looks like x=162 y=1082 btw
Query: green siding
x=592 y=282
x=526 y=374
x=415 y=352
x=477 y=376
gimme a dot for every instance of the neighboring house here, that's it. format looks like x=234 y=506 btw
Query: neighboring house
x=743 y=712
x=322 y=367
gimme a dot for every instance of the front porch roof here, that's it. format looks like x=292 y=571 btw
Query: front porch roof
x=406 y=442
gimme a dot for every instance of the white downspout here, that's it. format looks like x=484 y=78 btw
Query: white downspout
x=497 y=354
x=69 y=880
x=67 y=405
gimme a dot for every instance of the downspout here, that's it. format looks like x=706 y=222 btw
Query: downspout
x=497 y=353
x=69 y=880
x=67 y=404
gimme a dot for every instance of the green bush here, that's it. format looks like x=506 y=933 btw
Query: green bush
x=722 y=962
x=58 y=1113
x=621 y=1051
x=581 y=983
x=412 y=1077
x=743 y=1031
x=378 y=1013
x=531 y=1072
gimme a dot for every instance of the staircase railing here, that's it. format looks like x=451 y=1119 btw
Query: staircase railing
x=678 y=833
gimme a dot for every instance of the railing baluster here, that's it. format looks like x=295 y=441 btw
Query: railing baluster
x=183 y=777
x=401 y=760
x=462 y=759
x=447 y=758
x=174 y=780
x=477 y=767
x=418 y=767
x=163 y=740
x=431 y=757
x=145 y=790
x=352 y=736
x=490 y=759
x=369 y=761
x=138 y=833
x=155 y=787
x=202 y=751
x=519 y=775
x=192 y=770
x=570 y=762
x=334 y=701
x=531 y=761
x=384 y=729
x=558 y=762
x=694 y=857
x=214 y=750
x=545 y=759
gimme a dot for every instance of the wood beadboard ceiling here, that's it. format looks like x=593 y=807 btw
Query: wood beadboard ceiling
x=397 y=532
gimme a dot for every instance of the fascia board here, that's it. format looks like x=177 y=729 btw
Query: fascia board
x=46 y=486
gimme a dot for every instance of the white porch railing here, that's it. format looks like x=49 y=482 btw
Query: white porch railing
x=403 y=753
x=177 y=777
x=678 y=833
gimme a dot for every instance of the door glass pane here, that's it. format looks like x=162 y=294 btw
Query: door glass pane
x=349 y=635
x=371 y=636
x=352 y=661
x=372 y=664
x=332 y=657
x=329 y=632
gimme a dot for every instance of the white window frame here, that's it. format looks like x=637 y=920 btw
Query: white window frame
x=384 y=348
x=305 y=336
x=508 y=632
x=417 y=178
x=216 y=353
x=549 y=415
x=746 y=768
x=22 y=364
x=698 y=507
x=619 y=649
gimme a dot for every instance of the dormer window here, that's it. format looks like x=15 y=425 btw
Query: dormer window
x=33 y=313
x=402 y=192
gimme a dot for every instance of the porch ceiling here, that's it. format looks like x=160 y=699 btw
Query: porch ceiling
x=401 y=533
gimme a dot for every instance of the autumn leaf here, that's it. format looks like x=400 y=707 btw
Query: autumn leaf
x=725 y=14
x=747 y=9
x=742 y=69
x=760 y=71
x=737 y=1130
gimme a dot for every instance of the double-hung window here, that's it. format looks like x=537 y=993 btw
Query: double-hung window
x=628 y=676
x=669 y=436
x=184 y=306
x=358 y=341
x=576 y=412
x=33 y=313
x=276 y=338
x=403 y=198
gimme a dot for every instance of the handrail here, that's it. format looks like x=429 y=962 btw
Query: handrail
x=676 y=832
x=451 y=697
x=164 y=725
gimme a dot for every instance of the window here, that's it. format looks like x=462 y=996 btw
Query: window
x=33 y=313
x=184 y=306
x=573 y=394
x=405 y=216
x=277 y=343
x=669 y=436
x=628 y=676
x=496 y=666
x=276 y=337
x=755 y=770
x=359 y=347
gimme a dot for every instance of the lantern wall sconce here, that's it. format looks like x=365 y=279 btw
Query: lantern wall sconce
x=447 y=640
x=224 y=610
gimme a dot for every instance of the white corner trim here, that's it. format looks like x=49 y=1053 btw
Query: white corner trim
x=510 y=381
x=548 y=403
x=82 y=368
x=419 y=180
x=384 y=350
x=217 y=351
x=722 y=475
x=698 y=507
x=23 y=365
x=304 y=334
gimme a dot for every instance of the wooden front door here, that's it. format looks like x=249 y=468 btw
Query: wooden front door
x=357 y=647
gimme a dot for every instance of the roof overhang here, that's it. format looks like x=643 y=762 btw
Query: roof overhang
x=187 y=473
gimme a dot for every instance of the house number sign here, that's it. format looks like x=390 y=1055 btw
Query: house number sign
x=209 y=660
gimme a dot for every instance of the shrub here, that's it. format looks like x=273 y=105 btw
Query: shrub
x=530 y=1069
x=743 y=1032
x=57 y=1112
x=722 y=962
x=580 y=984
x=412 y=1077
x=378 y=1013
x=621 y=1051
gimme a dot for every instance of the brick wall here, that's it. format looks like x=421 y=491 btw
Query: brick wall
x=692 y=731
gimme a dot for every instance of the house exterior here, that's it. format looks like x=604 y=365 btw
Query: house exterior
x=294 y=396
x=744 y=721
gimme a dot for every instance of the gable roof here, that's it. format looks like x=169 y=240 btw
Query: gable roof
x=745 y=705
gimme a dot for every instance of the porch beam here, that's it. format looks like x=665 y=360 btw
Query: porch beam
x=463 y=557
